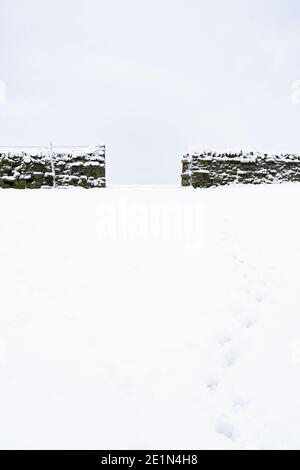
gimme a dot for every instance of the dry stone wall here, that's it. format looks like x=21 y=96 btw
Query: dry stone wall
x=43 y=169
x=208 y=168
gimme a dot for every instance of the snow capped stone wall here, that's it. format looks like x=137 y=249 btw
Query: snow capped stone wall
x=208 y=168
x=38 y=169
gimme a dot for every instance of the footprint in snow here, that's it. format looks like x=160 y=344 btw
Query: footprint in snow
x=225 y=427
x=239 y=404
x=259 y=298
x=224 y=339
x=211 y=383
x=248 y=322
x=230 y=358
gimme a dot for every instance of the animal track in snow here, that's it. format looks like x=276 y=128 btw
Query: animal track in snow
x=251 y=289
x=230 y=358
x=224 y=339
x=225 y=427
x=259 y=298
x=211 y=383
x=239 y=404
x=249 y=321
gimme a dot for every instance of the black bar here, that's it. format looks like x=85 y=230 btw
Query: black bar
x=135 y=458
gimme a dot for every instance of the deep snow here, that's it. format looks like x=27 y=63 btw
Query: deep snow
x=150 y=317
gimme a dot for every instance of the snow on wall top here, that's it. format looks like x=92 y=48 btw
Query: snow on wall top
x=240 y=155
x=96 y=152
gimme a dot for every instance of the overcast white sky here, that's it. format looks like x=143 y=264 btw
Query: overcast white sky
x=149 y=78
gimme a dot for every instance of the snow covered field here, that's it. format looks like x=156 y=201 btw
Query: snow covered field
x=150 y=317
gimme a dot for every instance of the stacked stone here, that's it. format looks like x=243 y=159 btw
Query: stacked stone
x=42 y=170
x=206 y=169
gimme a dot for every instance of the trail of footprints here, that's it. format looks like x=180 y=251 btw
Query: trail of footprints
x=244 y=319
